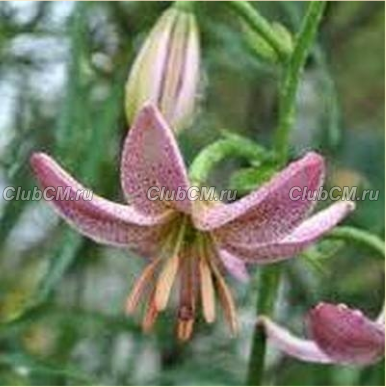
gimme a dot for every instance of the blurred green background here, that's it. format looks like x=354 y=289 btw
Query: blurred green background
x=63 y=66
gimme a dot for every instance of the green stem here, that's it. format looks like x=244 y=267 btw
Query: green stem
x=232 y=146
x=184 y=5
x=359 y=236
x=260 y=25
x=269 y=280
x=270 y=276
x=291 y=76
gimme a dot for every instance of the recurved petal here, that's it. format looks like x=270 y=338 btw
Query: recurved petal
x=151 y=159
x=346 y=335
x=302 y=237
x=270 y=212
x=306 y=350
x=234 y=265
x=101 y=220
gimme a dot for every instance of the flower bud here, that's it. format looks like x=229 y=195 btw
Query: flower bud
x=261 y=47
x=166 y=70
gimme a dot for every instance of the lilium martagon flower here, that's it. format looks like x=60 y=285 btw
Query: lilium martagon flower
x=193 y=241
x=338 y=335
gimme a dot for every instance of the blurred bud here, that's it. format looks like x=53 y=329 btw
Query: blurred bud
x=166 y=70
x=261 y=48
x=285 y=36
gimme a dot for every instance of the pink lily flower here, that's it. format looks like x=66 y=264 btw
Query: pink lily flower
x=339 y=335
x=194 y=241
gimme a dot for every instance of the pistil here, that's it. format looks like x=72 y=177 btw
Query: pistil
x=188 y=294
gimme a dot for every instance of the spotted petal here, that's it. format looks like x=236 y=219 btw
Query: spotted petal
x=234 y=265
x=99 y=219
x=151 y=158
x=302 y=349
x=271 y=212
x=346 y=335
x=303 y=236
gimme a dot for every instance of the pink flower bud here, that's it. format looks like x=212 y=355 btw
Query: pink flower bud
x=166 y=70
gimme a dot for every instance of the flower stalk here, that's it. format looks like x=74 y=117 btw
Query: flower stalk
x=359 y=236
x=292 y=74
x=261 y=26
x=268 y=284
x=231 y=146
x=184 y=5
x=287 y=104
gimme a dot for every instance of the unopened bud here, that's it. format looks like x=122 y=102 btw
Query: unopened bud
x=261 y=47
x=166 y=70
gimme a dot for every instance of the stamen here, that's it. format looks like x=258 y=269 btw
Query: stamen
x=140 y=286
x=165 y=282
x=224 y=292
x=207 y=288
x=168 y=273
x=150 y=316
x=227 y=302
